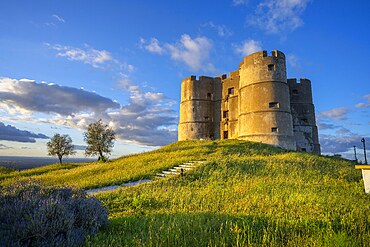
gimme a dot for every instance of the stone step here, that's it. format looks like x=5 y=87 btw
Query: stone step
x=181 y=167
x=189 y=163
x=184 y=165
x=175 y=170
x=169 y=173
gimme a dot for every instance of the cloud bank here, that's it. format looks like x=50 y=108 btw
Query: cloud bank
x=11 y=133
x=27 y=95
x=147 y=119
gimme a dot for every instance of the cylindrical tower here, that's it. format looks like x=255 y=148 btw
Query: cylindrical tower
x=264 y=103
x=303 y=112
x=196 y=108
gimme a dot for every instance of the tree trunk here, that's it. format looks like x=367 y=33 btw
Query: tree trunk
x=60 y=159
x=102 y=158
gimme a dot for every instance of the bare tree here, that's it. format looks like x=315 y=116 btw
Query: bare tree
x=60 y=145
x=99 y=138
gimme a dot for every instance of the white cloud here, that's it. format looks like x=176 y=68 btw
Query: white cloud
x=335 y=114
x=276 y=16
x=364 y=105
x=153 y=46
x=101 y=59
x=248 y=47
x=222 y=31
x=58 y=18
x=95 y=58
x=192 y=52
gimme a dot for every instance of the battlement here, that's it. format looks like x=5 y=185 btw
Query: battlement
x=299 y=83
x=264 y=53
x=274 y=53
x=201 y=78
x=262 y=57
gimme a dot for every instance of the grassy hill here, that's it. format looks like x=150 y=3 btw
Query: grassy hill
x=245 y=194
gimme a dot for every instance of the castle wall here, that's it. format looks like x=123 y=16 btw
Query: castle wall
x=200 y=108
x=255 y=103
x=264 y=103
x=230 y=106
x=303 y=112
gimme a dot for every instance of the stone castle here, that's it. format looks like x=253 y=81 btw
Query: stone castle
x=256 y=102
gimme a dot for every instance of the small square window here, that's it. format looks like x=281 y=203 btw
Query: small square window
x=274 y=129
x=226 y=134
x=206 y=118
x=295 y=91
x=271 y=67
x=191 y=129
x=274 y=105
x=303 y=149
x=305 y=120
x=230 y=91
x=225 y=114
x=209 y=95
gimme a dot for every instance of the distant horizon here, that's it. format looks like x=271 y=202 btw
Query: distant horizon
x=26 y=162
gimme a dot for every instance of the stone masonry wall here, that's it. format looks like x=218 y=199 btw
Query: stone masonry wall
x=256 y=103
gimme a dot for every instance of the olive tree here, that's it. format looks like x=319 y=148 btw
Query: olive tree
x=99 y=138
x=60 y=145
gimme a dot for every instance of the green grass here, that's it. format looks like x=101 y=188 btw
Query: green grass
x=246 y=194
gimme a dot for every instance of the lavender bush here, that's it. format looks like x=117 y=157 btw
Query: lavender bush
x=35 y=215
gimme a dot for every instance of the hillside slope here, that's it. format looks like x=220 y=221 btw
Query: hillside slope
x=245 y=194
x=139 y=166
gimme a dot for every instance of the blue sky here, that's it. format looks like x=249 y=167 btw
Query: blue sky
x=65 y=64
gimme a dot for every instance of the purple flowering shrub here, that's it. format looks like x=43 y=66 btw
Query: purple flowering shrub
x=36 y=215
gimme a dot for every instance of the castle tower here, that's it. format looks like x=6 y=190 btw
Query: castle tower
x=264 y=102
x=230 y=106
x=200 y=108
x=303 y=112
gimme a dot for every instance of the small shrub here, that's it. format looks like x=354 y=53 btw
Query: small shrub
x=34 y=215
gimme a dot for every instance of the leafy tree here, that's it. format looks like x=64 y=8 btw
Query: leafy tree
x=60 y=145
x=99 y=138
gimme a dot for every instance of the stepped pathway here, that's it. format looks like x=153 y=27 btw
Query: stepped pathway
x=178 y=170
x=175 y=171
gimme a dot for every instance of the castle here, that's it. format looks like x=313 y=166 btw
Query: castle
x=256 y=102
